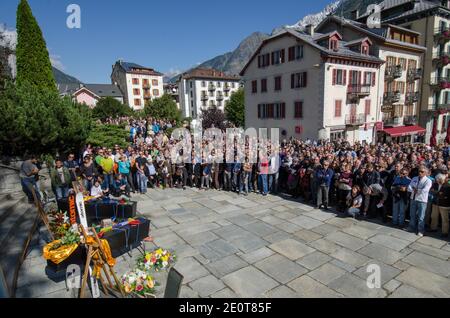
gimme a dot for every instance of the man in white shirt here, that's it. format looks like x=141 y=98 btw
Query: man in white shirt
x=419 y=188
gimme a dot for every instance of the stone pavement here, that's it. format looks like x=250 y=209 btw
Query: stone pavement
x=235 y=246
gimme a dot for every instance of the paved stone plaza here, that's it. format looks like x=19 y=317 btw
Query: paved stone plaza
x=236 y=246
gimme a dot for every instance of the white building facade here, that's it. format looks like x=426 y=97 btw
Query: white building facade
x=138 y=84
x=200 y=89
x=312 y=86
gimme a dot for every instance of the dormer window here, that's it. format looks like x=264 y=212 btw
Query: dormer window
x=333 y=45
x=365 y=50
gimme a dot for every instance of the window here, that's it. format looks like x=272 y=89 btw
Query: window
x=402 y=62
x=263 y=60
x=137 y=102
x=254 y=87
x=190 y=84
x=355 y=77
x=226 y=93
x=333 y=45
x=233 y=85
x=204 y=103
x=298 y=110
x=135 y=81
x=145 y=82
x=211 y=93
x=219 y=103
x=219 y=84
x=400 y=87
x=136 y=91
x=278 y=83
x=391 y=60
x=365 y=50
x=156 y=92
x=264 y=85
x=192 y=94
x=203 y=84
x=155 y=82
x=278 y=57
x=295 y=52
x=298 y=80
x=367 y=107
x=279 y=110
x=368 y=78
x=444 y=124
x=339 y=77
x=338 y=108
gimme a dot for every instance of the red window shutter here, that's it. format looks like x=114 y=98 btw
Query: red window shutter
x=344 y=75
x=282 y=56
x=293 y=81
x=367 y=109
x=291 y=53
x=334 y=76
x=337 y=108
x=373 y=78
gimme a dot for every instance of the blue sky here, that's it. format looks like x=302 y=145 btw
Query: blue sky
x=166 y=35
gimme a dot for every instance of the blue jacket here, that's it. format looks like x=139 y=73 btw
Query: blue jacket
x=324 y=176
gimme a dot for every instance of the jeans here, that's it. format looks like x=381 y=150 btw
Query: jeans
x=235 y=185
x=88 y=184
x=227 y=181
x=205 y=181
x=417 y=216
x=142 y=182
x=62 y=192
x=27 y=184
x=250 y=183
x=353 y=212
x=398 y=212
x=263 y=183
x=243 y=186
x=109 y=179
x=314 y=188
x=129 y=178
x=273 y=182
x=322 y=195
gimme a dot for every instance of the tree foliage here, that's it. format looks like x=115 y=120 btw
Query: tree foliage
x=163 y=108
x=235 y=108
x=110 y=107
x=107 y=136
x=33 y=62
x=213 y=116
x=38 y=121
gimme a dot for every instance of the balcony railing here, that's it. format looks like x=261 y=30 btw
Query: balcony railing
x=392 y=121
x=393 y=72
x=410 y=120
x=355 y=120
x=442 y=35
x=146 y=85
x=392 y=97
x=204 y=97
x=357 y=91
x=444 y=107
x=220 y=97
x=412 y=97
x=414 y=74
x=441 y=58
x=211 y=87
x=439 y=83
x=227 y=88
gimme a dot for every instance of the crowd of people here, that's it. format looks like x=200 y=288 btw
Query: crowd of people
x=394 y=182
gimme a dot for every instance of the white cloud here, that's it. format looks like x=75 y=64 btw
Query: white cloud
x=8 y=38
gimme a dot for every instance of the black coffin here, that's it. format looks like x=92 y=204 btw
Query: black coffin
x=78 y=257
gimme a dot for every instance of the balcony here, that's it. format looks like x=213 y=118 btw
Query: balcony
x=211 y=87
x=226 y=88
x=442 y=35
x=441 y=58
x=414 y=74
x=356 y=91
x=440 y=83
x=146 y=85
x=355 y=120
x=394 y=72
x=412 y=98
x=410 y=120
x=392 y=121
x=204 y=97
x=391 y=97
x=439 y=107
x=219 y=97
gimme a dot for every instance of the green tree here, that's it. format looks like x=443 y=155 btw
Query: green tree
x=33 y=62
x=163 y=108
x=235 y=108
x=107 y=136
x=213 y=116
x=110 y=107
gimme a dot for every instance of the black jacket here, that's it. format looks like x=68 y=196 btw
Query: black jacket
x=441 y=197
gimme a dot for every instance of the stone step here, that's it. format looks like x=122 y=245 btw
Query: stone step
x=14 y=245
x=9 y=225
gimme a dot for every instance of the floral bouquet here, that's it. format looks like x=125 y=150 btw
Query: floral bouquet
x=157 y=260
x=59 y=224
x=139 y=283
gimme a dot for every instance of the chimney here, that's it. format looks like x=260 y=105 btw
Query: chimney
x=354 y=15
x=309 y=29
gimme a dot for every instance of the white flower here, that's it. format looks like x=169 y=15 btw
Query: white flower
x=164 y=264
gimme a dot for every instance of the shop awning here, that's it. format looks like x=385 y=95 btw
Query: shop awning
x=404 y=131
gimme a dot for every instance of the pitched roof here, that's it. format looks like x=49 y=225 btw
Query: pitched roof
x=136 y=68
x=104 y=90
x=68 y=89
x=208 y=73
x=357 y=41
x=379 y=33
x=342 y=51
